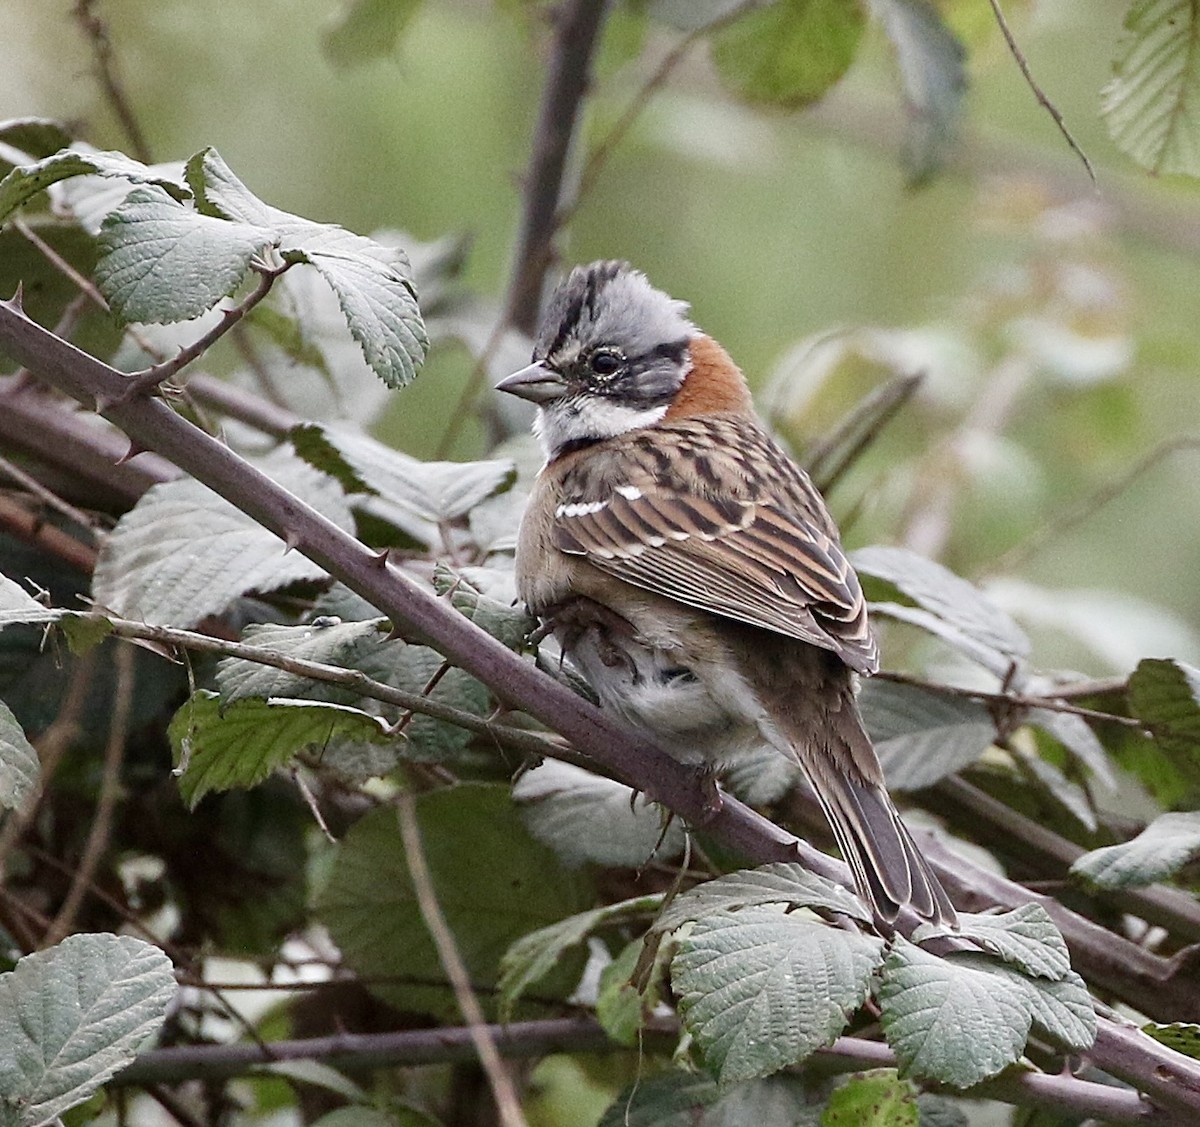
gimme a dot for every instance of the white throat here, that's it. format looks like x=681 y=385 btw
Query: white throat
x=565 y=421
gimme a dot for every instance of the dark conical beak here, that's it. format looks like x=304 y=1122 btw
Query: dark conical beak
x=537 y=383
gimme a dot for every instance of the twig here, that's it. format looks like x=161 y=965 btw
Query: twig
x=52 y=499
x=1007 y=700
x=110 y=782
x=517 y=739
x=508 y=1104
x=603 y=151
x=576 y=32
x=18 y=521
x=1020 y=553
x=1038 y=93
x=360 y=1052
x=138 y=383
x=827 y=460
x=51 y=746
x=984 y=818
x=97 y=33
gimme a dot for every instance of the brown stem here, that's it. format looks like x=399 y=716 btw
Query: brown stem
x=508 y=1103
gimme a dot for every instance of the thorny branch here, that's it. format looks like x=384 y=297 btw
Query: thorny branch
x=1171 y=1080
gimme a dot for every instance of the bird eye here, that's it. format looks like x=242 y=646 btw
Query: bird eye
x=605 y=363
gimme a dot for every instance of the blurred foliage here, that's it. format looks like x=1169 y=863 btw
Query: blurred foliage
x=1047 y=454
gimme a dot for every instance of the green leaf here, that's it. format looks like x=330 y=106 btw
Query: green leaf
x=1165 y=695
x=434 y=491
x=183 y=553
x=493 y=882
x=509 y=624
x=34 y=136
x=954 y=1019
x=533 y=956
x=585 y=817
x=922 y=736
x=1160 y=850
x=161 y=261
x=1063 y=1009
x=761 y=989
x=73 y=1015
x=1025 y=936
x=620 y=1008
x=242 y=745
x=19 y=766
x=945 y=605
x=931 y=60
x=328 y=641
x=1150 y=105
x=873 y=1099
x=686 y=1099
x=790 y=52
x=85 y=631
x=782 y=882
x=367 y=29
x=17 y=606
x=1182 y=1036
x=27 y=180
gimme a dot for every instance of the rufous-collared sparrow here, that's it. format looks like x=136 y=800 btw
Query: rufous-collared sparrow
x=690 y=569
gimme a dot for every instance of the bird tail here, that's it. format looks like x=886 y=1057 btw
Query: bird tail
x=888 y=868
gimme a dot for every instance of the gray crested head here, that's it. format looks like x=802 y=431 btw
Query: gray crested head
x=610 y=355
x=610 y=305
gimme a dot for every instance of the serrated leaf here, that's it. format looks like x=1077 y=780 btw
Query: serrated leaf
x=242 y=745
x=28 y=179
x=931 y=60
x=330 y=642
x=162 y=262
x=373 y=282
x=1182 y=1036
x=951 y=1019
x=1062 y=1009
x=18 y=607
x=367 y=29
x=585 y=817
x=1150 y=103
x=183 y=553
x=73 y=1015
x=782 y=882
x=946 y=605
x=1159 y=851
x=1165 y=695
x=493 y=882
x=761 y=989
x=435 y=491
x=1025 y=936
x=620 y=1008
x=19 y=765
x=873 y=1099
x=922 y=736
x=790 y=52
x=533 y=956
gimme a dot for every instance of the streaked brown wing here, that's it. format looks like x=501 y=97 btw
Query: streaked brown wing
x=752 y=561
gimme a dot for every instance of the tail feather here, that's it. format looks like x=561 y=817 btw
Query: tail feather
x=888 y=867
